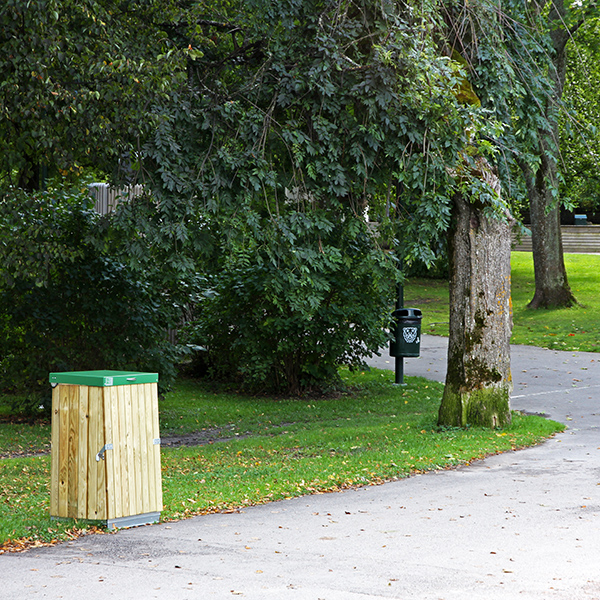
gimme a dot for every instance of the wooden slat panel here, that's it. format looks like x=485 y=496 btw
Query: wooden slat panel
x=101 y=473
x=107 y=198
x=73 y=455
x=128 y=481
x=82 y=452
x=142 y=415
x=119 y=473
x=54 y=474
x=94 y=398
x=123 y=449
x=156 y=434
x=138 y=507
x=63 y=451
x=96 y=507
x=130 y=507
x=149 y=446
x=109 y=456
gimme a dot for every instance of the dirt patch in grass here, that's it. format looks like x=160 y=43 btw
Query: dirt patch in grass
x=24 y=453
x=199 y=438
x=196 y=438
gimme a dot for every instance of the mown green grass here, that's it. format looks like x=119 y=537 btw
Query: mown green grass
x=21 y=439
x=431 y=296
x=576 y=328
x=283 y=448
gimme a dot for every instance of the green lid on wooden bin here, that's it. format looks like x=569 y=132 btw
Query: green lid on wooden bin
x=102 y=378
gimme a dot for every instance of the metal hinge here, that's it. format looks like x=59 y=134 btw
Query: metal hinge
x=100 y=455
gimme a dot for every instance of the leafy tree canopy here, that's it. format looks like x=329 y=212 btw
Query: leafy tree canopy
x=267 y=131
x=77 y=78
x=346 y=106
x=580 y=139
x=297 y=120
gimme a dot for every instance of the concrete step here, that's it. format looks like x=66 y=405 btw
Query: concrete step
x=583 y=239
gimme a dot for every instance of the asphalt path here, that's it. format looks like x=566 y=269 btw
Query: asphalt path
x=520 y=525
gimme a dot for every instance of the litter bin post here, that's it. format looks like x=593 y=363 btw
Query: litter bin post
x=105 y=459
x=406 y=338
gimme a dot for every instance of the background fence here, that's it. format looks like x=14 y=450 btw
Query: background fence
x=108 y=197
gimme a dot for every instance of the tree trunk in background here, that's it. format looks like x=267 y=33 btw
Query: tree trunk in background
x=551 y=285
x=478 y=380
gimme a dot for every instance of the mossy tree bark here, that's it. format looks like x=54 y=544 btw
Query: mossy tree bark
x=478 y=379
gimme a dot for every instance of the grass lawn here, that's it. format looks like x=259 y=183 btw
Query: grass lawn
x=277 y=448
x=576 y=328
x=280 y=448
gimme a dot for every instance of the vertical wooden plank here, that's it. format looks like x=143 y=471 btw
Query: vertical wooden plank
x=130 y=458
x=143 y=447
x=149 y=446
x=156 y=435
x=109 y=456
x=101 y=502
x=63 y=451
x=74 y=391
x=54 y=474
x=124 y=449
x=118 y=473
x=92 y=468
x=96 y=469
x=82 y=452
x=138 y=507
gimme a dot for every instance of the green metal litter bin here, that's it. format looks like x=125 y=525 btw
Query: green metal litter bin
x=406 y=332
x=106 y=447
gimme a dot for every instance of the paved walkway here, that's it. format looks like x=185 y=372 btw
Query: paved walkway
x=519 y=525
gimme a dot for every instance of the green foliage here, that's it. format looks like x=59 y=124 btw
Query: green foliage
x=77 y=82
x=327 y=105
x=580 y=141
x=293 y=298
x=298 y=119
x=508 y=55
x=68 y=305
x=42 y=230
x=514 y=56
x=246 y=119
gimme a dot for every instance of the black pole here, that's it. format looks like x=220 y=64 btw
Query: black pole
x=400 y=299
x=399 y=371
x=399 y=379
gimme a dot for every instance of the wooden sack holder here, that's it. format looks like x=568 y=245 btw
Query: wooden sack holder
x=106 y=447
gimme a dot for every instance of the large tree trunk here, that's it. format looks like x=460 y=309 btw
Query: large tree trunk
x=478 y=379
x=551 y=285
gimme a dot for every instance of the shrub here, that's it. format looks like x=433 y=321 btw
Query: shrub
x=66 y=303
x=294 y=297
